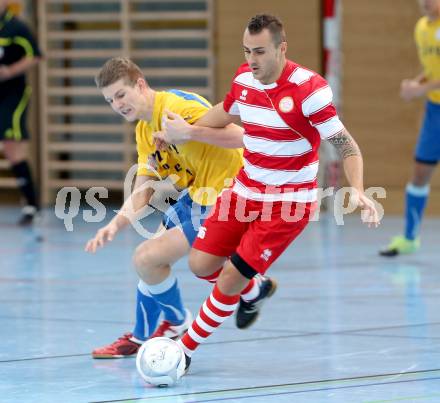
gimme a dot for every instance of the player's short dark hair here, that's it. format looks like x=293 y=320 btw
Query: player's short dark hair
x=270 y=22
x=116 y=69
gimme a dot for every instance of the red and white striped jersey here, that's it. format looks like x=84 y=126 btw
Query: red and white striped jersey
x=284 y=123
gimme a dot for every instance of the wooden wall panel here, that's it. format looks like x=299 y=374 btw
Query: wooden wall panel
x=378 y=52
x=83 y=143
x=301 y=20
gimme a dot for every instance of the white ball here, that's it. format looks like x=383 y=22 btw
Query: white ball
x=160 y=361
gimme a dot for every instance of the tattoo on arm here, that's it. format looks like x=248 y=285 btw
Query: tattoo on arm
x=345 y=144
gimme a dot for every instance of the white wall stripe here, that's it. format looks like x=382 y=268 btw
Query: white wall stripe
x=204 y=325
x=263 y=117
x=318 y=100
x=278 y=177
x=276 y=148
x=301 y=196
x=221 y=306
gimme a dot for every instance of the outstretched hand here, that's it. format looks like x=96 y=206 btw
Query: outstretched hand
x=369 y=214
x=410 y=89
x=104 y=235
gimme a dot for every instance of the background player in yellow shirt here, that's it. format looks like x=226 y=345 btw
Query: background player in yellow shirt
x=427 y=154
x=197 y=166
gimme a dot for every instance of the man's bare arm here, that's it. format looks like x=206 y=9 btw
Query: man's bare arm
x=216 y=127
x=132 y=207
x=417 y=87
x=17 y=68
x=217 y=117
x=354 y=171
x=135 y=203
x=351 y=155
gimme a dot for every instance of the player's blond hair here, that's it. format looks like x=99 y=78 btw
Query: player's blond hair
x=116 y=69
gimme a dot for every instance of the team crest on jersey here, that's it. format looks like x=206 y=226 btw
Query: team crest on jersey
x=286 y=104
x=243 y=95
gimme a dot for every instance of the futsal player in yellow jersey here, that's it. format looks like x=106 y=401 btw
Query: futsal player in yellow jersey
x=197 y=166
x=427 y=153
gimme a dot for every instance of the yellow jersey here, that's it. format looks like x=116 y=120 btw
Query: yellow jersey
x=427 y=37
x=198 y=166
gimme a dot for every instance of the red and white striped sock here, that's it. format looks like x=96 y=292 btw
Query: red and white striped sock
x=252 y=290
x=212 y=278
x=214 y=311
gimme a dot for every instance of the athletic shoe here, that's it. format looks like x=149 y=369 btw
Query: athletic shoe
x=248 y=311
x=400 y=245
x=187 y=363
x=166 y=329
x=124 y=347
x=29 y=215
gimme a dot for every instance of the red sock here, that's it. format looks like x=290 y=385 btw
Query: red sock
x=215 y=310
x=252 y=290
x=212 y=278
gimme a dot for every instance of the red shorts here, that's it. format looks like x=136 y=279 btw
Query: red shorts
x=256 y=231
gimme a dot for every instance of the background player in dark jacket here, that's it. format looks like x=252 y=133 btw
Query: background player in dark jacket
x=18 y=53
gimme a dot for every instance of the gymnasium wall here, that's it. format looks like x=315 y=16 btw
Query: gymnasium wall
x=378 y=52
x=302 y=22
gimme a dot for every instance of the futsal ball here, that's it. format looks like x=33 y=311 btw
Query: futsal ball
x=160 y=361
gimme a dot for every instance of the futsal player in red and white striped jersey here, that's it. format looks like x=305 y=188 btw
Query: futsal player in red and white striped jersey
x=286 y=110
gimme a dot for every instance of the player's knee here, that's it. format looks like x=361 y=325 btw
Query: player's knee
x=231 y=281
x=144 y=258
x=197 y=264
x=420 y=180
x=422 y=174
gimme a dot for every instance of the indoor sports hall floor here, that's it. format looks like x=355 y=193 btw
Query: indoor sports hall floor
x=345 y=326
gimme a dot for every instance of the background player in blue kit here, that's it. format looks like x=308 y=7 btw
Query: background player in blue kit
x=427 y=153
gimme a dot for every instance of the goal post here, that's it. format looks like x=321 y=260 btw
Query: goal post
x=331 y=66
